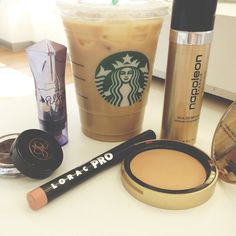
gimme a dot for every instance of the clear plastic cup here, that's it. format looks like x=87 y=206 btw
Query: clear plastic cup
x=112 y=47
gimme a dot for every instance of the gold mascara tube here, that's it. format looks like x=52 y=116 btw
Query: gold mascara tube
x=190 y=39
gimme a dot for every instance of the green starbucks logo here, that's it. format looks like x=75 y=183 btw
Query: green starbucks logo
x=122 y=78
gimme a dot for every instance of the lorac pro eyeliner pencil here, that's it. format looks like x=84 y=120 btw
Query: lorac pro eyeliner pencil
x=42 y=195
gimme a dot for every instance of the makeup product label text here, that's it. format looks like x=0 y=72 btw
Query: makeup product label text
x=196 y=82
x=82 y=170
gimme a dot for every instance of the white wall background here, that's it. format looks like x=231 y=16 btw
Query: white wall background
x=15 y=18
x=30 y=20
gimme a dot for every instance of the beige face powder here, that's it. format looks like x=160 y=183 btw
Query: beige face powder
x=168 y=169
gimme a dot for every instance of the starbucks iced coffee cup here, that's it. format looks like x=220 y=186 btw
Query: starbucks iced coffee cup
x=112 y=47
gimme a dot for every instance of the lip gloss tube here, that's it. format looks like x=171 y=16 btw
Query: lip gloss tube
x=47 y=62
x=42 y=195
x=190 y=40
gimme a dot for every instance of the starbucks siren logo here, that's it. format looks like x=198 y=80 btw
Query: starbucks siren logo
x=122 y=78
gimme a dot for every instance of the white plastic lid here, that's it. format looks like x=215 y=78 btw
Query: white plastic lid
x=110 y=9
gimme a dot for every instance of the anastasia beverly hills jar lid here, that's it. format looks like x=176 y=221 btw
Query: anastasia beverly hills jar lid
x=33 y=153
x=174 y=175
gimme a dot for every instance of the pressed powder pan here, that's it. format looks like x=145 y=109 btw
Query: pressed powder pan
x=183 y=179
x=174 y=175
x=168 y=169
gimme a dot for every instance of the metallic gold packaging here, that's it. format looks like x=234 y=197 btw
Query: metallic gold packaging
x=221 y=164
x=189 y=48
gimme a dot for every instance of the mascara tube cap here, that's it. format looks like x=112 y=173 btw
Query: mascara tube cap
x=193 y=15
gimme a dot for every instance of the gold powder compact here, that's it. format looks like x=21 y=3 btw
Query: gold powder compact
x=174 y=175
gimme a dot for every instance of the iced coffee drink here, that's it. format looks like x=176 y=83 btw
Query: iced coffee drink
x=112 y=61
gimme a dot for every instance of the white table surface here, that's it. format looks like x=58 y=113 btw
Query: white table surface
x=101 y=205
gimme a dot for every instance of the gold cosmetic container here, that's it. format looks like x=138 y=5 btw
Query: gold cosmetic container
x=185 y=82
x=181 y=185
x=189 y=48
